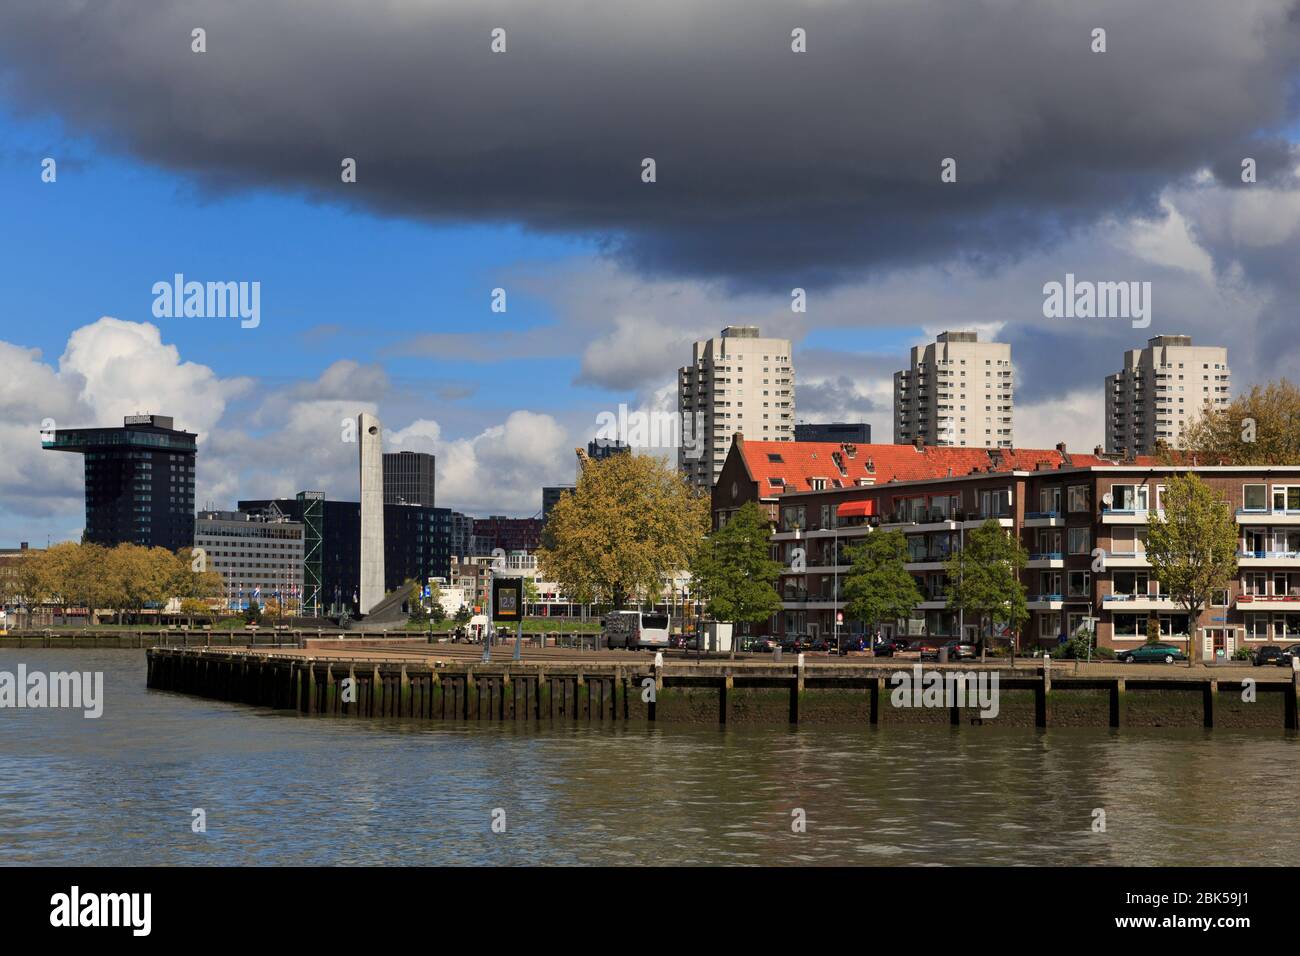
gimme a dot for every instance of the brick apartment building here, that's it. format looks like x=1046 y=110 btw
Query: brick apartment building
x=824 y=496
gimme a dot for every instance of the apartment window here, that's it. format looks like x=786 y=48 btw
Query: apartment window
x=1257 y=627
x=792 y=518
x=1129 y=541
x=1049 y=500
x=1131 y=582
x=1286 y=497
x=1080 y=540
x=1129 y=497
x=1077 y=583
x=1130 y=625
x=1079 y=498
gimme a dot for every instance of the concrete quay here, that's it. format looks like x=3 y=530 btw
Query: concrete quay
x=385 y=679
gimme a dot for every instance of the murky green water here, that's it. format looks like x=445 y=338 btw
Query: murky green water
x=282 y=789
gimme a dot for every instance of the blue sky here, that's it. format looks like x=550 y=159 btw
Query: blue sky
x=95 y=242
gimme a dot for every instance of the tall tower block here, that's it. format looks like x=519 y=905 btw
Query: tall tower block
x=370 y=437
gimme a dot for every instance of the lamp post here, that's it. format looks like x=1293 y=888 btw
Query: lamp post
x=836 y=571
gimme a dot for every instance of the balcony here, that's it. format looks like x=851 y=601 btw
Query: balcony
x=1138 y=602
x=1267 y=516
x=1259 y=559
x=1268 y=602
x=1046 y=559
x=1044 y=519
x=1127 y=515
x=1045 y=602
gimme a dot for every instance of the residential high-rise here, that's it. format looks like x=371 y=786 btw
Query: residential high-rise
x=1162 y=389
x=957 y=392
x=859 y=433
x=408 y=478
x=736 y=382
x=139 y=481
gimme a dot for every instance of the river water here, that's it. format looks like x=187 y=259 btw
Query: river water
x=281 y=788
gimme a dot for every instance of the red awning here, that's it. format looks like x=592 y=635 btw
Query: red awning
x=856 y=509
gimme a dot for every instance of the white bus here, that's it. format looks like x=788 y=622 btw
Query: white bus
x=633 y=629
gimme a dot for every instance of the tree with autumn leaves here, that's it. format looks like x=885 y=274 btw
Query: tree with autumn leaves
x=630 y=522
x=124 y=579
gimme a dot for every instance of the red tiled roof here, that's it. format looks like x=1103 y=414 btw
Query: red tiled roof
x=784 y=466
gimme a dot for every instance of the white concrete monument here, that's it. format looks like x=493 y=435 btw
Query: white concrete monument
x=370 y=436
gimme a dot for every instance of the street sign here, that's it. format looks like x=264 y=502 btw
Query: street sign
x=507 y=599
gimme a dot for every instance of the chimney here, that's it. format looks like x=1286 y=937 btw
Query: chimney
x=919 y=443
x=1098 y=451
x=1060 y=447
x=871 y=465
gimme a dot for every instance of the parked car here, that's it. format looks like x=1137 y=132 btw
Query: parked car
x=957 y=651
x=1149 y=653
x=1268 y=654
x=849 y=644
x=885 y=649
x=762 y=645
x=1284 y=659
x=820 y=644
x=896 y=644
x=793 y=644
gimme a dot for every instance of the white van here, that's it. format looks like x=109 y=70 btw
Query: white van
x=634 y=629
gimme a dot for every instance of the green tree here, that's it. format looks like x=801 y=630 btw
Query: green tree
x=1259 y=428
x=984 y=578
x=252 y=613
x=631 y=520
x=1192 y=547
x=734 y=570
x=878 y=586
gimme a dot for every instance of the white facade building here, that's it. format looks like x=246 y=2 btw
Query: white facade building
x=256 y=556
x=736 y=382
x=957 y=392
x=1161 y=390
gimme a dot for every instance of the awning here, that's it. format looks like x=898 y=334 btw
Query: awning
x=856 y=509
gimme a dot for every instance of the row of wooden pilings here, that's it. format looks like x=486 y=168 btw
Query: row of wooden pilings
x=599 y=691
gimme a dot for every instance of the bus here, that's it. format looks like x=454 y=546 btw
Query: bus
x=634 y=629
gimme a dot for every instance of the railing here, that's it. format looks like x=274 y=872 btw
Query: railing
x=1122 y=598
x=1042 y=514
x=1265 y=512
x=1268 y=554
x=1043 y=598
x=1048 y=556
x=1249 y=598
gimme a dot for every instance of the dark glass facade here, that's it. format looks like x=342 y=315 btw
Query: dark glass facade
x=417 y=545
x=139 y=481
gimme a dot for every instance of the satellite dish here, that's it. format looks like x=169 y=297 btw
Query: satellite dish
x=1107 y=499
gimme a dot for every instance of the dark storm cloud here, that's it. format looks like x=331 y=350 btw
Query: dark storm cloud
x=771 y=165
